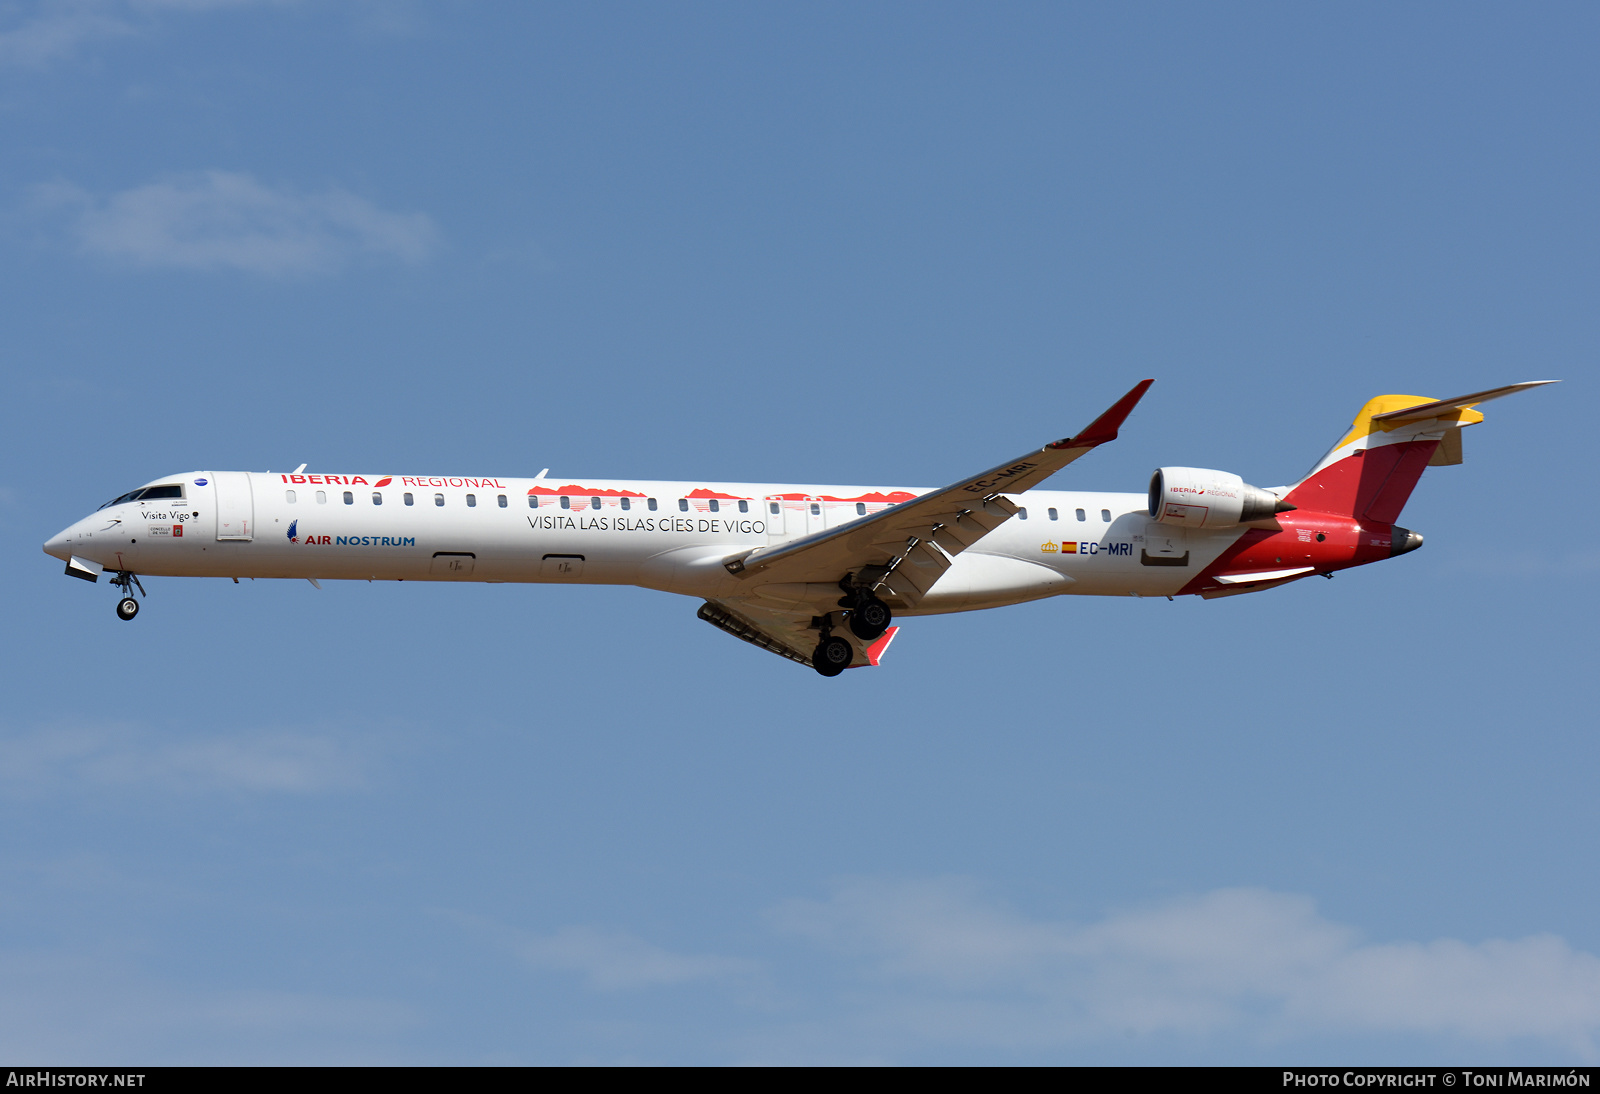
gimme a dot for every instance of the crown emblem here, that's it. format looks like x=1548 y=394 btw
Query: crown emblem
x=1049 y=548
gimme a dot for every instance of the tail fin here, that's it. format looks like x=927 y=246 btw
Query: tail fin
x=1371 y=472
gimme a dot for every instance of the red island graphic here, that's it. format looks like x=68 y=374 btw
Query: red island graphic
x=572 y=490
x=893 y=498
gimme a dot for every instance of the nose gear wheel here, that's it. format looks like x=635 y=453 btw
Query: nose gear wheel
x=127 y=581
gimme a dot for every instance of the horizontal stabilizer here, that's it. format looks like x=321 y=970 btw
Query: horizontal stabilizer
x=1440 y=407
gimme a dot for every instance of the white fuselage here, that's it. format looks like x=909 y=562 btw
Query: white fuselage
x=671 y=536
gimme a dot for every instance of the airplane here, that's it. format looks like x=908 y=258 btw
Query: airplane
x=810 y=572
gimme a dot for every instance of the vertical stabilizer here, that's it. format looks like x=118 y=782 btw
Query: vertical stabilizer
x=1373 y=468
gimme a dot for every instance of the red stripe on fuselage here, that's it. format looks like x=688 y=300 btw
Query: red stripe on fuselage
x=1345 y=543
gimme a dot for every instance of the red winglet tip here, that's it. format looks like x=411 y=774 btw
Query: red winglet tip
x=1104 y=428
x=876 y=651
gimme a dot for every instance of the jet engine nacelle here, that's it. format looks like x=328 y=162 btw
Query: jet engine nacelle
x=1197 y=497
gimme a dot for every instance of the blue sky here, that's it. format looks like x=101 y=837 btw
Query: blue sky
x=862 y=243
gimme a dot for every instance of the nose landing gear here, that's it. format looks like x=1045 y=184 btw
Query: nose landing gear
x=127 y=581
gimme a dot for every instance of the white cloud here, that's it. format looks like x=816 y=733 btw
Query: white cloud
x=59 y=758
x=934 y=960
x=56 y=30
x=227 y=220
x=200 y=5
x=58 y=1008
x=53 y=30
x=609 y=960
x=935 y=964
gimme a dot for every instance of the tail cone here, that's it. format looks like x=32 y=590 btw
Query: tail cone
x=1403 y=540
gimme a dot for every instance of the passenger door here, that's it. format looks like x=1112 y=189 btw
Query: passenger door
x=236 y=508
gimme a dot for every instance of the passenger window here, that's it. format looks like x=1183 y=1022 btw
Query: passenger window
x=349 y=497
x=627 y=503
x=683 y=505
x=1022 y=513
x=502 y=500
x=594 y=503
x=533 y=501
x=861 y=508
x=409 y=499
x=322 y=497
x=472 y=501
x=1105 y=515
x=377 y=498
x=714 y=506
x=438 y=499
x=1053 y=514
x=652 y=505
x=566 y=502
x=288 y=496
x=1082 y=515
x=744 y=507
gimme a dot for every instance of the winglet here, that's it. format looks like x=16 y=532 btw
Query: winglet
x=1104 y=428
x=876 y=651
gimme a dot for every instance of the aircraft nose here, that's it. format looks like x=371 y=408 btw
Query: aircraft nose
x=60 y=545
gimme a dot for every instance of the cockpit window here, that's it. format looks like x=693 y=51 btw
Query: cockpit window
x=149 y=493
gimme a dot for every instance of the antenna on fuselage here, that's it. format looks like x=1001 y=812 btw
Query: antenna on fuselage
x=297 y=470
x=541 y=474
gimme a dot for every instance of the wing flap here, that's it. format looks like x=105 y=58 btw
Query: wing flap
x=917 y=571
x=743 y=625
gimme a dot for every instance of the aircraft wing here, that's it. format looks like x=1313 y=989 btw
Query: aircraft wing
x=903 y=550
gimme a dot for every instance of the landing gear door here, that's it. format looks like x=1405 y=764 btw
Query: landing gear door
x=236 y=508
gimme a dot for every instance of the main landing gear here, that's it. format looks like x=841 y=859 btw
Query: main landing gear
x=833 y=655
x=127 y=607
x=868 y=618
